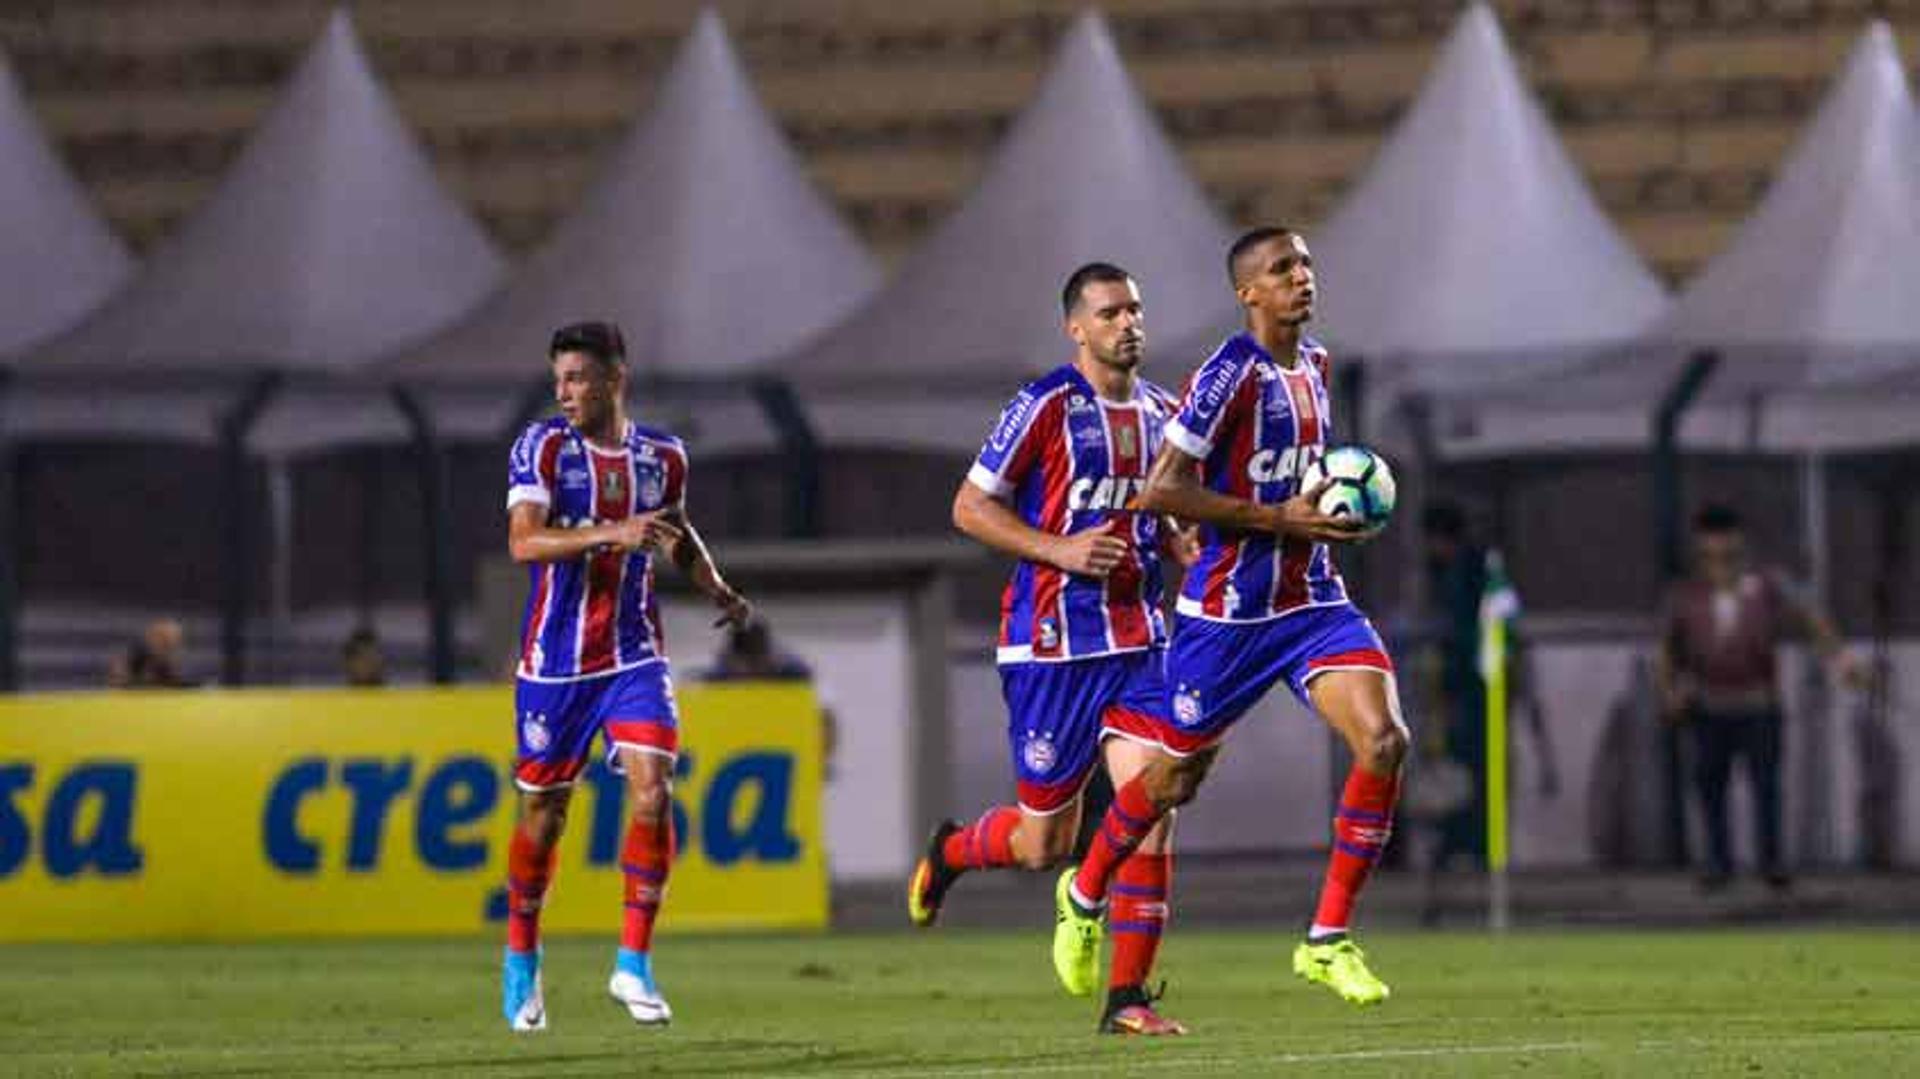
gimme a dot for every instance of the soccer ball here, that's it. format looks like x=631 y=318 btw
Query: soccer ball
x=1362 y=485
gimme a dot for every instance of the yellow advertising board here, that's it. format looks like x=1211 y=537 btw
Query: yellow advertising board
x=241 y=813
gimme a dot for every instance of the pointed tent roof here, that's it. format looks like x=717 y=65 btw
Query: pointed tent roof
x=1472 y=241
x=1814 y=293
x=702 y=203
x=59 y=260
x=328 y=243
x=1085 y=174
x=1819 y=283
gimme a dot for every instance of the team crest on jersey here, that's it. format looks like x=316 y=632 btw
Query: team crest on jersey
x=1186 y=706
x=1039 y=754
x=650 y=489
x=534 y=733
x=613 y=485
x=1124 y=441
x=1049 y=635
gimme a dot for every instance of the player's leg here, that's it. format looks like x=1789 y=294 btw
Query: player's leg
x=1052 y=730
x=1137 y=909
x=1360 y=702
x=554 y=732
x=1215 y=673
x=642 y=732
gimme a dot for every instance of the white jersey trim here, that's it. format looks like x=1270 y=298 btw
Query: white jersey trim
x=1192 y=608
x=1190 y=444
x=528 y=492
x=609 y=673
x=985 y=479
x=1023 y=653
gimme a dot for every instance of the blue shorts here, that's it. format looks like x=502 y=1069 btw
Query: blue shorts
x=1218 y=670
x=1058 y=713
x=556 y=721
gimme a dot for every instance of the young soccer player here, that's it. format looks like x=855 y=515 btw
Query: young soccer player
x=592 y=498
x=1081 y=633
x=1264 y=604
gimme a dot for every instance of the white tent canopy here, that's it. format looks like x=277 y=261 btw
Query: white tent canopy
x=703 y=238
x=59 y=260
x=1472 y=250
x=1085 y=174
x=1812 y=307
x=327 y=244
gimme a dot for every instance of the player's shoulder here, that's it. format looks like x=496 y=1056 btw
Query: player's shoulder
x=1038 y=393
x=1216 y=378
x=1054 y=382
x=537 y=434
x=641 y=436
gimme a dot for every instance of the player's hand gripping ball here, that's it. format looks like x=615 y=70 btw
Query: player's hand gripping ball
x=1359 y=485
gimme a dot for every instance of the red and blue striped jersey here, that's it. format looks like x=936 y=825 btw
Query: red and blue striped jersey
x=1255 y=426
x=596 y=614
x=1066 y=460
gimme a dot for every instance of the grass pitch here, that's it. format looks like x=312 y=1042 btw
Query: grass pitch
x=959 y=1003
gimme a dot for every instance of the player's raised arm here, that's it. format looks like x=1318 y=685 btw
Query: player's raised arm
x=1092 y=552
x=1173 y=487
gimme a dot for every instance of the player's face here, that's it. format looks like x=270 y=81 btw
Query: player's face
x=1277 y=277
x=1110 y=324
x=585 y=389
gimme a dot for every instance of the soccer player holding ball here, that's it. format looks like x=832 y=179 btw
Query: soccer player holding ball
x=592 y=498
x=1264 y=604
x=1081 y=633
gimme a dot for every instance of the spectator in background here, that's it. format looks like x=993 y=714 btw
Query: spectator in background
x=1453 y=750
x=362 y=662
x=152 y=661
x=749 y=654
x=1716 y=673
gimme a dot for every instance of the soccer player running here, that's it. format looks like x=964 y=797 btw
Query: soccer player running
x=1082 y=638
x=1263 y=604
x=592 y=498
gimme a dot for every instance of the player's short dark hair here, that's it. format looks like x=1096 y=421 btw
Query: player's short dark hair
x=1248 y=241
x=1078 y=280
x=601 y=340
x=1718 y=519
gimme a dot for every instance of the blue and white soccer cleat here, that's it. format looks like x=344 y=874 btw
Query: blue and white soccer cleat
x=525 y=1005
x=632 y=986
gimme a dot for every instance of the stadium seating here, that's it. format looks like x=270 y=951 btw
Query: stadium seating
x=1677 y=111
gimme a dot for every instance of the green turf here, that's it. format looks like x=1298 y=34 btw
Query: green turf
x=966 y=1003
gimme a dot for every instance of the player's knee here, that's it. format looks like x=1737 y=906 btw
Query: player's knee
x=1384 y=748
x=1175 y=783
x=650 y=800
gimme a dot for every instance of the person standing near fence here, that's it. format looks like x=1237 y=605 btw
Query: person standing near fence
x=1720 y=629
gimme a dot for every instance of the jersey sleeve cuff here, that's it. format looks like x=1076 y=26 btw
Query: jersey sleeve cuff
x=984 y=479
x=1189 y=443
x=528 y=492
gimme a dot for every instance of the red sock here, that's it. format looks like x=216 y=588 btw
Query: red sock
x=1128 y=820
x=645 y=859
x=1360 y=830
x=529 y=871
x=1138 y=914
x=985 y=844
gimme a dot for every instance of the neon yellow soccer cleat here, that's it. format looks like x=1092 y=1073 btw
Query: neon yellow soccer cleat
x=1341 y=966
x=1076 y=941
